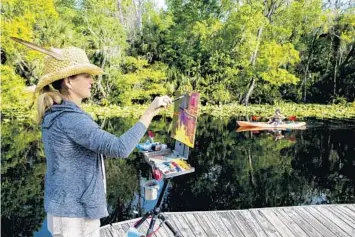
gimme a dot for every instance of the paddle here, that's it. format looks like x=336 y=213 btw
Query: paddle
x=292 y=118
x=257 y=118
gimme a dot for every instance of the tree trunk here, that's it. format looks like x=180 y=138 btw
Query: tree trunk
x=310 y=55
x=348 y=57
x=120 y=11
x=270 y=8
x=99 y=80
x=341 y=65
x=252 y=62
x=255 y=53
x=138 y=10
x=335 y=78
x=304 y=82
x=251 y=88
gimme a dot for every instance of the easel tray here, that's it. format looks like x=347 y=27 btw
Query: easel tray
x=168 y=162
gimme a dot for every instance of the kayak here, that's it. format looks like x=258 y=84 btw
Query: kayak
x=271 y=125
x=244 y=129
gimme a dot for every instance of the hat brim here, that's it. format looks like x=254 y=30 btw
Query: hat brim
x=67 y=72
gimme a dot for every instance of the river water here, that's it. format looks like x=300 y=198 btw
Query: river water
x=233 y=170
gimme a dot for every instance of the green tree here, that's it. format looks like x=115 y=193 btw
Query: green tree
x=139 y=81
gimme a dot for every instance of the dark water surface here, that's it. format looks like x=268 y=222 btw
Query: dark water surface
x=234 y=170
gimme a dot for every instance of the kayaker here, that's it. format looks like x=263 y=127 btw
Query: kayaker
x=74 y=189
x=277 y=117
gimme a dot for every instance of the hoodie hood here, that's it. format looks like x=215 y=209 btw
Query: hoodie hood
x=57 y=110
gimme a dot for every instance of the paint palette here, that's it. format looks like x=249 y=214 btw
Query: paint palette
x=168 y=162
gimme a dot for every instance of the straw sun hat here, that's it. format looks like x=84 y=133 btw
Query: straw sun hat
x=62 y=63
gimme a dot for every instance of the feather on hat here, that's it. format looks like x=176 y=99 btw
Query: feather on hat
x=61 y=63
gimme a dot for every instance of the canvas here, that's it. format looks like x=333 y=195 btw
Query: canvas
x=185 y=119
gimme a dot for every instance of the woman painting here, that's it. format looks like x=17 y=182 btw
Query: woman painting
x=74 y=193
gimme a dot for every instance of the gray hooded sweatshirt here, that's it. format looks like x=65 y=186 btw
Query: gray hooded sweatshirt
x=74 y=182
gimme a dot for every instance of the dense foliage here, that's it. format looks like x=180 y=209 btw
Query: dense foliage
x=230 y=51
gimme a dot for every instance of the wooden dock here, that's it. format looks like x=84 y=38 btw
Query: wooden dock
x=316 y=220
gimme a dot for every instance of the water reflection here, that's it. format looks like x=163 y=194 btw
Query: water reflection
x=234 y=170
x=22 y=172
x=277 y=134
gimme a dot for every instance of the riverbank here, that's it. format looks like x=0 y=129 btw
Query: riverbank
x=345 y=111
x=233 y=110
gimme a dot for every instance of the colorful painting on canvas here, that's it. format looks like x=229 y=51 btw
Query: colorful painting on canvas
x=185 y=119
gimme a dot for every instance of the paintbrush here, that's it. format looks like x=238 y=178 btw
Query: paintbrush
x=178 y=98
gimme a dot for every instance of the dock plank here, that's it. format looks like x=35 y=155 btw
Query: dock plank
x=273 y=217
x=336 y=220
x=303 y=224
x=339 y=222
x=342 y=214
x=333 y=227
x=207 y=225
x=159 y=233
x=348 y=213
x=219 y=222
x=114 y=230
x=267 y=226
x=163 y=230
x=185 y=228
x=104 y=232
x=296 y=230
x=318 y=225
x=168 y=231
x=195 y=227
x=126 y=226
x=351 y=207
x=254 y=225
x=245 y=228
x=230 y=224
x=171 y=220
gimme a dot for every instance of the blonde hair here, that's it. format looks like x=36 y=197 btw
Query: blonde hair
x=48 y=96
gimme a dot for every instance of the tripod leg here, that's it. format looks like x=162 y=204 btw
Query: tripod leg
x=146 y=215
x=151 y=225
x=176 y=233
x=169 y=225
